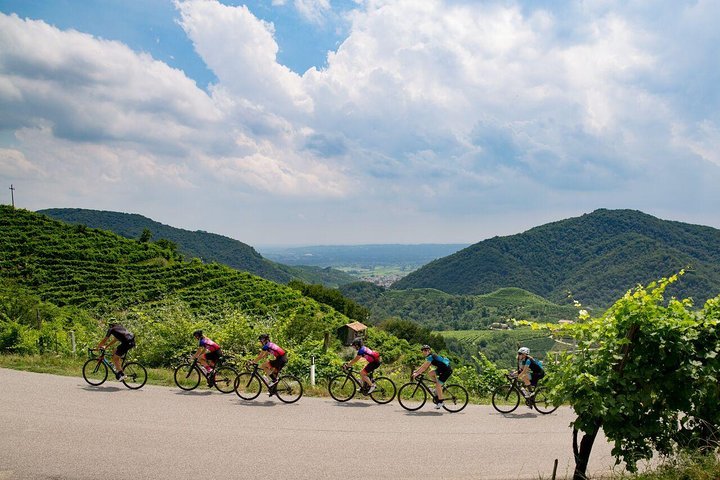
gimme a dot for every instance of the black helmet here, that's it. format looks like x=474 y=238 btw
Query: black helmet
x=264 y=336
x=198 y=333
x=357 y=342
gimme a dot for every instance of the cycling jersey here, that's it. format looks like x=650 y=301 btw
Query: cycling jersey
x=121 y=333
x=534 y=365
x=209 y=345
x=273 y=349
x=368 y=354
x=441 y=364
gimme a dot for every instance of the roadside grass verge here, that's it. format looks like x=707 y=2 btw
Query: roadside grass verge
x=686 y=466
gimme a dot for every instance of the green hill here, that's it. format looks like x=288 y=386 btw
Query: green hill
x=596 y=257
x=209 y=247
x=443 y=311
x=101 y=271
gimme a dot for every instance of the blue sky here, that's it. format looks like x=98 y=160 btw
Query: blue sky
x=362 y=121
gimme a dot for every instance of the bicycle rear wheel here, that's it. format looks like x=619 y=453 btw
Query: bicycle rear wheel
x=288 y=389
x=187 y=377
x=95 y=372
x=505 y=399
x=247 y=386
x=412 y=396
x=384 y=390
x=135 y=375
x=342 y=388
x=542 y=403
x=225 y=379
x=455 y=398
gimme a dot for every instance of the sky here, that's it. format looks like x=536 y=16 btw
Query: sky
x=361 y=121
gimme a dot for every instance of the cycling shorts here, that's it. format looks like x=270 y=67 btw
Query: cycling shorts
x=212 y=356
x=444 y=375
x=371 y=367
x=535 y=378
x=123 y=348
x=279 y=362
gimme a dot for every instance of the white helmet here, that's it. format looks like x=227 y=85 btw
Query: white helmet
x=524 y=350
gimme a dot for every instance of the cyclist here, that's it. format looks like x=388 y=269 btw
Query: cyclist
x=373 y=362
x=439 y=375
x=530 y=371
x=207 y=354
x=272 y=368
x=127 y=341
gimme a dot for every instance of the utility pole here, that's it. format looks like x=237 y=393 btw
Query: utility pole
x=12 y=195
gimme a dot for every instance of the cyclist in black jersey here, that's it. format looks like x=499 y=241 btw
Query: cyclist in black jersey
x=118 y=333
x=439 y=375
x=530 y=371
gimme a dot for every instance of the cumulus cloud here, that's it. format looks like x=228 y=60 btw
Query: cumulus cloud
x=445 y=108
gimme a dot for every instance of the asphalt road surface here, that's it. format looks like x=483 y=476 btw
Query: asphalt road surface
x=54 y=427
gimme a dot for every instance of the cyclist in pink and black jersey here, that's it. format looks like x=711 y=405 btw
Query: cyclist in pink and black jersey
x=208 y=352
x=272 y=368
x=373 y=362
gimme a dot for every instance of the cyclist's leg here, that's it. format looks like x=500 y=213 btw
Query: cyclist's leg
x=276 y=366
x=367 y=371
x=118 y=355
x=432 y=375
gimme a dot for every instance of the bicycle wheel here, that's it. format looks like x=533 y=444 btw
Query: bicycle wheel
x=541 y=402
x=288 y=389
x=95 y=372
x=247 y=386
x=384 y=390
x=342 y=388
x=412 y=396
x=505 y=399
x=135 y=375
x=187 y=377
x=225 y=379
x=455 y=398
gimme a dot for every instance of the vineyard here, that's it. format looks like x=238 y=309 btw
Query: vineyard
x=499 y=346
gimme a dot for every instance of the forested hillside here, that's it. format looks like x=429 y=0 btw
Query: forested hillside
x=443 y=311
x=208 y=247
x=596 y=258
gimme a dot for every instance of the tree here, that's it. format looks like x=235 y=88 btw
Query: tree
x=146 y=236
x=646 y=371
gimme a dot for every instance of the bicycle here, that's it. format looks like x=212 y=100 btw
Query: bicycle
x=343 y=387
x=506 y=398
x=188 y=374
x=248 y=385
x=95 y=370
x=413 y=395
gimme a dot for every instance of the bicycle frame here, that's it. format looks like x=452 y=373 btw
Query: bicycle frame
x=350 y=373
x=421 y=380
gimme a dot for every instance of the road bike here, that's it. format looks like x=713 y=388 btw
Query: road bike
x=248 y=385
x=413 y=395
x=506 y=398
x=222 y=376
x=344 y=386
x=95 y=370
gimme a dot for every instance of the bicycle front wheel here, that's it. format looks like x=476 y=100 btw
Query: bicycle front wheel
x=412 y=396
x=541 y=402
x=187 y=377
x=384 y=391
x=455 y=398
x=505 y=399
x=247 y=386
x=95 y=372
x=135 y=375
x=342 y=388
x=225 y=379
x=288 y=389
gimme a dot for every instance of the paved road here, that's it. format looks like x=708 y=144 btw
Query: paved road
x=61 y=428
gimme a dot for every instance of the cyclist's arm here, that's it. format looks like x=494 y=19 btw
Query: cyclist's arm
x=105 y=344
x=261 y=355
x=422 y=368
x=197 y=353
x=352 y=362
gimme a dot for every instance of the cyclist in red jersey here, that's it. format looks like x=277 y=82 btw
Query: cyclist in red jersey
x=207 y=354
x=373 y=362
x=272 y=368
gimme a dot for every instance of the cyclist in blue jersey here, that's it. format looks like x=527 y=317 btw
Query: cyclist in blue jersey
x=530 y=371
x=207 y=354
x=439 y=374
x=127 y=341
x=373 y=362
x=272 y=368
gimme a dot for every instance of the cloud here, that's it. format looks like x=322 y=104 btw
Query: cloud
x=445 y=108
